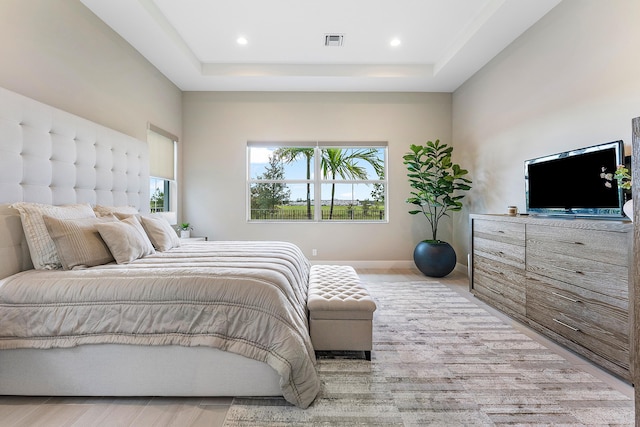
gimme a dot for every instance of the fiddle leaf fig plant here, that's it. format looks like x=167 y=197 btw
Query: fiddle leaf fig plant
x=437 y=183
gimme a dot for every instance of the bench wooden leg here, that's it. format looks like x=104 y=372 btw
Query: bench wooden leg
x=367 y=355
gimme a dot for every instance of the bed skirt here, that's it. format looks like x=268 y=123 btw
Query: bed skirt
x=126 y=370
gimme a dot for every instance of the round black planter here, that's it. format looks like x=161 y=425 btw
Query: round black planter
x=434 y=259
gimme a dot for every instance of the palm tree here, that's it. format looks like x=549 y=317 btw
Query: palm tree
x=343 y=163
x=291 y=154
x=334 y=162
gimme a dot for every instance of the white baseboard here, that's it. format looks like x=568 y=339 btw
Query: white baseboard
x=385 y=265
x=378 y=265
x=461 y=268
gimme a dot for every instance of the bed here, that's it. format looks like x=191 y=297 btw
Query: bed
x=200 y=319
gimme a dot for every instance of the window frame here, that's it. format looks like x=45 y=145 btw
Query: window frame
x=317 y=180
x=169 y=186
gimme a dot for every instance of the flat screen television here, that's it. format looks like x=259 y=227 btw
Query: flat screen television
x=575 y=183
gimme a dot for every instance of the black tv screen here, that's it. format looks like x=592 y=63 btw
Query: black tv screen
x=577 y=182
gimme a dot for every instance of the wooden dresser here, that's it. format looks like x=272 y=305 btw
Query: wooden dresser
x=566 y=278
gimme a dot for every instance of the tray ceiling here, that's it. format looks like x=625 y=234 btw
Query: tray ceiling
x=439 y=43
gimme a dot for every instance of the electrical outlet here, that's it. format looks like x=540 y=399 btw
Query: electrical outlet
x=314 y=252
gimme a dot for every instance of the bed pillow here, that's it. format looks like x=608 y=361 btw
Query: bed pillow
x=162 y=236
x=41 y=247
x=78 y=242
x=121 y=215
x=101 y=210
x=126 y=239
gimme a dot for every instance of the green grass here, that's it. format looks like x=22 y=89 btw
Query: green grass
x=299 y=212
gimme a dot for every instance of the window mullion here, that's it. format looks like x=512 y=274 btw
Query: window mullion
x=317 y=185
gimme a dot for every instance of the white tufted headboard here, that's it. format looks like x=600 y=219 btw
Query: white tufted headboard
x=50 y=156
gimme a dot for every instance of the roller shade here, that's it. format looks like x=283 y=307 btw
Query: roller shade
x=320 y=144
x=161 y=156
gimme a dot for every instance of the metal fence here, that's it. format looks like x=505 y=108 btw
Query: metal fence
x=301 y=215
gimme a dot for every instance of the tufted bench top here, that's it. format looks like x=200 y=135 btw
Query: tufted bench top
x=335 y=291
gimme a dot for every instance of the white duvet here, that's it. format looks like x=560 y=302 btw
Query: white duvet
x=248 y=298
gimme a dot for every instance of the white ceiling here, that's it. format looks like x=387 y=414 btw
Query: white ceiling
x=443 y=42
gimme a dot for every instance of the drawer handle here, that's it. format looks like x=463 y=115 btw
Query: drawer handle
x=495 y=291
x=570 y=270
x=572 y=243
x=566 y=326
x=565 y=297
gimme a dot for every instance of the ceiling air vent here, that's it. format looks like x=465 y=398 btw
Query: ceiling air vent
x=333 y=39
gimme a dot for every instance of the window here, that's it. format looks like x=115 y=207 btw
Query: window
x=348 y=179
x=162 y=171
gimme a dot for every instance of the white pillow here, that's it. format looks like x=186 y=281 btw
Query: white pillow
x=101 y=210
x=162 y=236
x=41 y=247
x=78 y=242
x=126 y=239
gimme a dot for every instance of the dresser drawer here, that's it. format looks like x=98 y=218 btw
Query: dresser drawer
x=596 y=276
x=498 y=251
x=500 y=285
x=607 y=247
x=499 y=231
x=592 y=320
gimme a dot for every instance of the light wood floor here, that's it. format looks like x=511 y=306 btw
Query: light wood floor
x=60 y=411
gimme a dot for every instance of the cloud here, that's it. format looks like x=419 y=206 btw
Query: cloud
x=261 y=154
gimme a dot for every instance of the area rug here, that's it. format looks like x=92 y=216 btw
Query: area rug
x=439 y=359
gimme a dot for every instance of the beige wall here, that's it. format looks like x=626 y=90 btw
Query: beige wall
x=571 y=81
x=59 y=53
x=217 y=127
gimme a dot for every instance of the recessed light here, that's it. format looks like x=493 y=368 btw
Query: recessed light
x=242 y=41
x=395 y=42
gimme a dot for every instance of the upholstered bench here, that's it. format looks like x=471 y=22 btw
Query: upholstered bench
x=340 y=310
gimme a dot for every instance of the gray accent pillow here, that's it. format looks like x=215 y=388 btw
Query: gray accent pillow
x=162 y=236
x=126 y=239
x=78 y=242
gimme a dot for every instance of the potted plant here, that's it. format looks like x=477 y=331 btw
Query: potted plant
x=437 y=184
x=185 y=230
x=623 y=176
